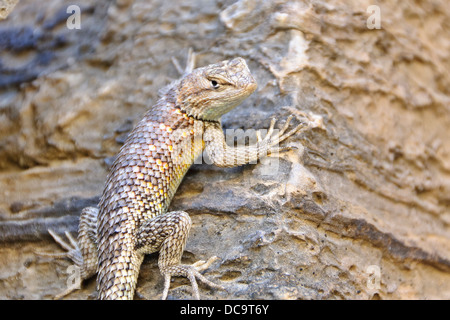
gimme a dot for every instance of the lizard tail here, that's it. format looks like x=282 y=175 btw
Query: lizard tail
x=118 y=269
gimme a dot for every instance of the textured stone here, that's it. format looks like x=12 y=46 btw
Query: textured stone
x=6 y=6
x=366 y=191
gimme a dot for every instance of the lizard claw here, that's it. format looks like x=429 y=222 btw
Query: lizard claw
x=312 y=120
x=272 y=140
x=72 y=251
x=190 y=63
x=192 y=272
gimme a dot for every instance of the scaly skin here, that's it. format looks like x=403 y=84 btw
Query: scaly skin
x=132 y=218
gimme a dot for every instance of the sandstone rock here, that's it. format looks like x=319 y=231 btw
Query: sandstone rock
x=358 y=210
x=6 y=6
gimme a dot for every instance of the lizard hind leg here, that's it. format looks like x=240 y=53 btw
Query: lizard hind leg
x=168 y=234
x=83 y=251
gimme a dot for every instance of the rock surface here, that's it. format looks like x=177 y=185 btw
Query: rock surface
x=359 y=210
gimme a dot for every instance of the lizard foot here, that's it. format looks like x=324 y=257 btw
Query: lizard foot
x=274 y=139
x=72 y=250
x=192 y=272
x=190 y=63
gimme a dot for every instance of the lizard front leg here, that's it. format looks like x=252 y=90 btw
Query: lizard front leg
x=167 y=234
x=223 y=155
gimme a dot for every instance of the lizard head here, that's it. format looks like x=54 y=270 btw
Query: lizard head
x=208 y=93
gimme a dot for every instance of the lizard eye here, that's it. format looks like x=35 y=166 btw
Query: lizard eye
x=215 y=84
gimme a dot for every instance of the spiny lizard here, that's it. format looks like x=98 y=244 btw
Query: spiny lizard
x=132 y=219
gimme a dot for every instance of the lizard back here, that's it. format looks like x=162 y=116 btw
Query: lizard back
x=142 y=181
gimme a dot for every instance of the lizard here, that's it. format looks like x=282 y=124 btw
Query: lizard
x=132 y=218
